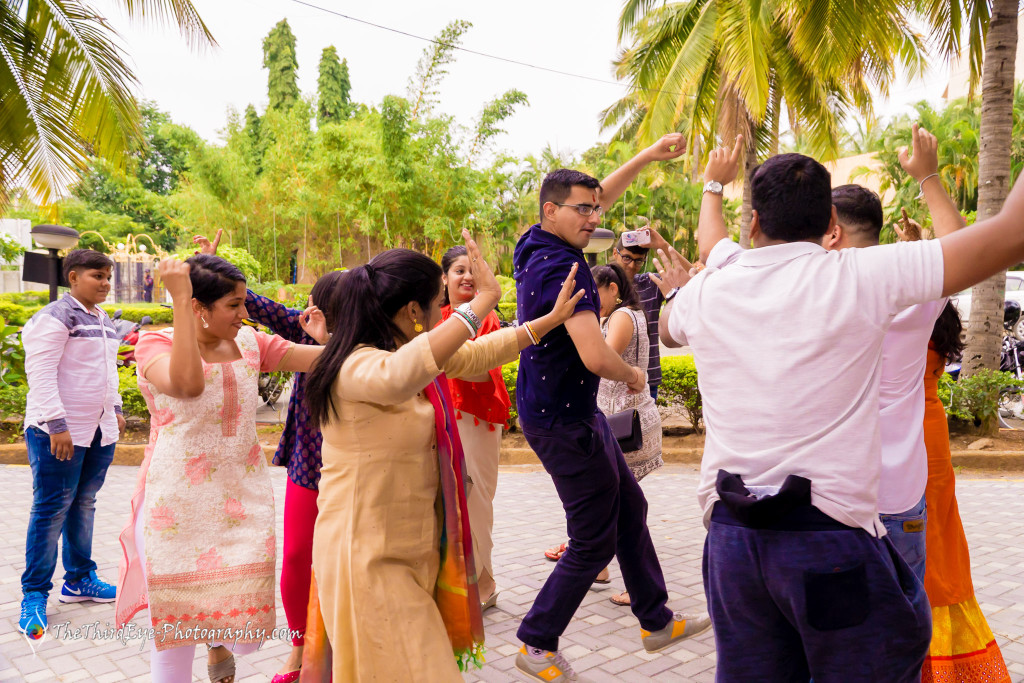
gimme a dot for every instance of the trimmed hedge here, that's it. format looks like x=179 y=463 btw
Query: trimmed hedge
x=678 y=388
x=506 y=312
x=133 y=404
x=161 y=315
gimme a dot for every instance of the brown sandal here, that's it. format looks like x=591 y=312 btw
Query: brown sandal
x=224 y=670
x=618 y=600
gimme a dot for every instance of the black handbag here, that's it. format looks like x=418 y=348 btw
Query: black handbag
x=625 y=424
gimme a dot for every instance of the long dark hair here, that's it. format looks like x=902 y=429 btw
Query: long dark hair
x=324 y=296
x=447 y=260
x=613 y=273
x=946 y=334
x=368 y=297
x=212 y=278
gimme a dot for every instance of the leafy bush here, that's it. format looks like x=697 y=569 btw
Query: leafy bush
x=272 y=290
x=508 y=289
x=679 y=387
x=12 y=400
x=976 y=398
x=509 y=373
x=245 y=261
x=17 y=314
x=36 y=298
x=12 y=355
x=161 y=315
x=506 y=312
x=132 y=402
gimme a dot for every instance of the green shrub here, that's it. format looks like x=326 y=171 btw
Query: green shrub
x=976 y=398
x=15 y=314
x=506 y=312
x=12 y=355
x=508 y=289
x=509 y=373
x=679 y=387
x=161 y=315
x=132 y=402
x=292 y=293
x=34 y=298
x=12 y=400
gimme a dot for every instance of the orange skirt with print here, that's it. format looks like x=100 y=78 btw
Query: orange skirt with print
x=963 y=649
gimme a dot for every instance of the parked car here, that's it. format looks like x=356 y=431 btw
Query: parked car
x=1014 y=292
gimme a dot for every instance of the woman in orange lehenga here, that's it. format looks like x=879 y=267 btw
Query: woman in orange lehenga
x=963 y=648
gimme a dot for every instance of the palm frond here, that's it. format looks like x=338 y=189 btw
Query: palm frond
x=180 y=13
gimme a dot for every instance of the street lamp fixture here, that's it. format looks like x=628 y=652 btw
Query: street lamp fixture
x=601 y=240
x=53 y=238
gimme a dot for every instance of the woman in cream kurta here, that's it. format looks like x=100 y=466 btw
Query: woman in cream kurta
x=375 y=545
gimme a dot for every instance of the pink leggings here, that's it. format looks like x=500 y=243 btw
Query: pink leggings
x=297 y=564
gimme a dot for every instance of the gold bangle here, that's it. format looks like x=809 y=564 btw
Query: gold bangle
x=533 y=334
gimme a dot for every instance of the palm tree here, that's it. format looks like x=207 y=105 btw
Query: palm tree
x=984 y=335
x=65 y=88
x=732 y=66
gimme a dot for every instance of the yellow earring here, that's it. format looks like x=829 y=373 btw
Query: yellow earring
x=417 y=327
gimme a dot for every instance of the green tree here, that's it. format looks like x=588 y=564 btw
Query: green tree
x=67 y=88
x=495 y=112
x=433 y=67
x=280 y=61
x=332 y=88
x=723 y=67
x=252 y=141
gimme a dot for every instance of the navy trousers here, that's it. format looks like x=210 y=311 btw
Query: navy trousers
x=832 y=604
x=606 y=516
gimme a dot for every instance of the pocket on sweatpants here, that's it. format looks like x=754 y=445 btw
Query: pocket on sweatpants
x=838 y=598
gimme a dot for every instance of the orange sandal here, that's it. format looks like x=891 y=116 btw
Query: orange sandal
x=555 y=553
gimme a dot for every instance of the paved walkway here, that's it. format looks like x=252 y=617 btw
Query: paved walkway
x=604 y=639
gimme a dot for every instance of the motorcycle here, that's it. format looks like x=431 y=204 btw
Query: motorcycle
x=126 y=352
x=1011 y=360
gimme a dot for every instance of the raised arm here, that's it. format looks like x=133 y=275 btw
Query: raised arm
x=985 y=248
x=282 y=320
x=670 y=146
x=722 y=167
x=923 y=166
x=180 y=374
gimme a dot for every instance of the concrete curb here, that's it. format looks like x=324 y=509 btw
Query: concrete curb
x=132 y=454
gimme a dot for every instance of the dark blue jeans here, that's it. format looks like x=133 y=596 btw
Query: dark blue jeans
x=832 y=604
x=606 y=516
x=63 y=503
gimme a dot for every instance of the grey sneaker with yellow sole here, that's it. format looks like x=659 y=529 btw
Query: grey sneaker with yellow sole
x=681 y=627
x=553 y=667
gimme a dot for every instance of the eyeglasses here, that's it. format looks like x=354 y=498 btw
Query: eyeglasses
x=584 y=209
x=627 y=260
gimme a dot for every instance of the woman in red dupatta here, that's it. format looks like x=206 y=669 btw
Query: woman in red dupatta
x=392 y=549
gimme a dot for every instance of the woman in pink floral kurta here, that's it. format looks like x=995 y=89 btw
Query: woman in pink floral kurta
x=203 y=515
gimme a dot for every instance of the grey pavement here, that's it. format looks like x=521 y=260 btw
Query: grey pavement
x=603 y=640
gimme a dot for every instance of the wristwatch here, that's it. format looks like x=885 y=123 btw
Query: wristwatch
x=714 y=187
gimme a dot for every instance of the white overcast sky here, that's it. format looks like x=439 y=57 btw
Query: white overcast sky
x=197 y=88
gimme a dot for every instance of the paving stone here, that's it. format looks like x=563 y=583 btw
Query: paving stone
x=603 y=639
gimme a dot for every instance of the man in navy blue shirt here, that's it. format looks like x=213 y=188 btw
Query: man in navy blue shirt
x=606 y=512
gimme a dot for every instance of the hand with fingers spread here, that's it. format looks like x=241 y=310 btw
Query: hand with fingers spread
x=673 y=270
x=670 y=146
x=313 y=323
x=488 y=291
x=565 y=304
x=923 y=161
x=205 y=246
x=723 y=163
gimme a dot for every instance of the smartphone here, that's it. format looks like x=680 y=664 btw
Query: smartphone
x=637 y=238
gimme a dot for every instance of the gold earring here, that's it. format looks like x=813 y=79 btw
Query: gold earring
x=417 y=327
x=618 y=299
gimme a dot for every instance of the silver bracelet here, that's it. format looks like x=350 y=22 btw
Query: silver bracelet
x=465 y=321
x=467 y=310
x=920 y=185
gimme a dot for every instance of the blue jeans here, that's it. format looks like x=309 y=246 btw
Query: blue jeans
x=820 y=601
x=63 y=503
x=907 y=533
x=654 y=392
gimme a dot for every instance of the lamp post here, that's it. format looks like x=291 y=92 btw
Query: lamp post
x=601 y=240
x=53 y=238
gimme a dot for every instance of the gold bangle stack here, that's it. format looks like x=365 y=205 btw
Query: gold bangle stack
x=530 y=331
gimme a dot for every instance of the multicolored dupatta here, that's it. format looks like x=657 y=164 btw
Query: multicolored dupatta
x=456 y=594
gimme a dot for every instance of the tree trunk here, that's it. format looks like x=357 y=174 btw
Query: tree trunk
x=985 y=332
x=749 y=162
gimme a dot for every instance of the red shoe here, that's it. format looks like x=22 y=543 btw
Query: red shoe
x=555 y=553
x=289 y=677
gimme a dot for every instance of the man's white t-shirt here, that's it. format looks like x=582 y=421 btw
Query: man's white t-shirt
x=788 y=343
x=904 y=472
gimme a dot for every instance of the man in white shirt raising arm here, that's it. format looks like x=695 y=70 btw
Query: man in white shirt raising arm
x=799 y=578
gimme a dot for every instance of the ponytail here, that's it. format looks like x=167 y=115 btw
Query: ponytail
x=368 y=297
